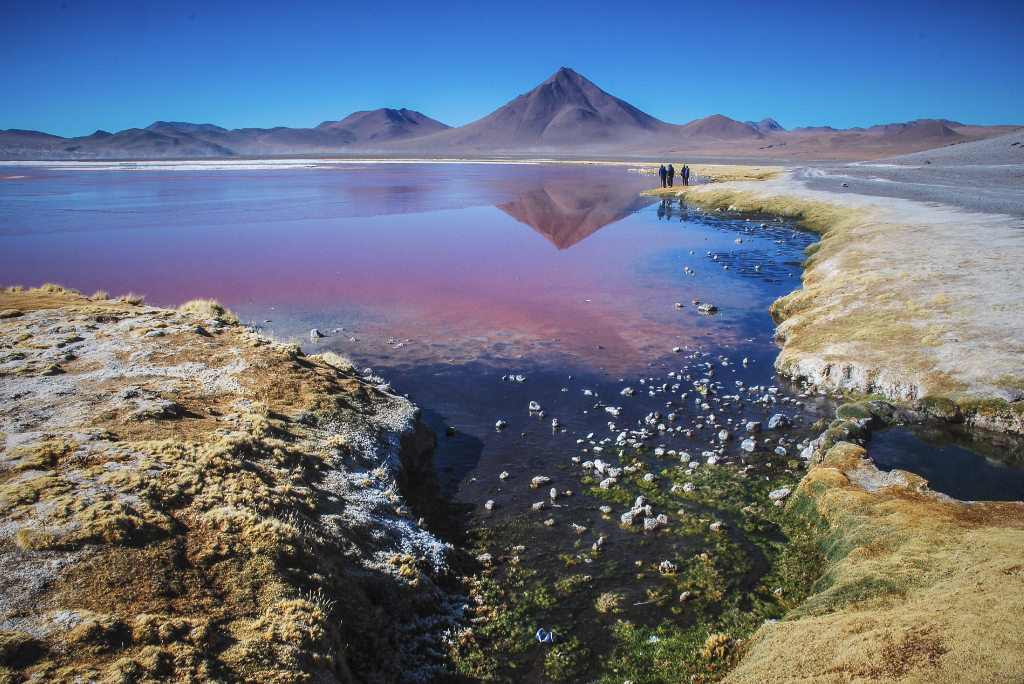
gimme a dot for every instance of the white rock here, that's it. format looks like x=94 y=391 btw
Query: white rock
x=500 y=425
x=689 y=487
x=489 y=505
x=553 y=494
x=504 y=475
x=607 y=483
x=650 y=524
x=534 y=406
x=749 y=445
x=628 y=392
x=649 y=477
x=717 y=526
x=540 y=480
x=780 y=494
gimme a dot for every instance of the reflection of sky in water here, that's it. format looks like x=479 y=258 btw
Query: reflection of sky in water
x=477 y=270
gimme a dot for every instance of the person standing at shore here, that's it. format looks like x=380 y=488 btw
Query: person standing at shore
x=671 y=175
x=685 y=173
x=663 y=174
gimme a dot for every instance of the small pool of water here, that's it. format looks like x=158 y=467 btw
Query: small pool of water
x=992 y=471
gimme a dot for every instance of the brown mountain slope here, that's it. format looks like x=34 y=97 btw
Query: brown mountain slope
x=384 y=124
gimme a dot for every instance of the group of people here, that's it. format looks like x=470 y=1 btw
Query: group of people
x=667 y=175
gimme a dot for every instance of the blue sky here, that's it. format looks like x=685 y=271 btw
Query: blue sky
x=70 y=67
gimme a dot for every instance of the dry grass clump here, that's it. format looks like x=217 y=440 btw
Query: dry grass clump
x=132 y=298
x=209 y=308
x=99 y=296
x=52 y=288
x=917 y=588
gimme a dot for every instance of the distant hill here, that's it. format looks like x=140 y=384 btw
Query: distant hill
x=718 y=127
x=566 y=116
x=182 y=126
x=565 y=112
x=765 y=125
x=382 y=125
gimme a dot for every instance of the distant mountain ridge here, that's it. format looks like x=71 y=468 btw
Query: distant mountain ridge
x=385 y=124
x=182 y=126
x=566 y=116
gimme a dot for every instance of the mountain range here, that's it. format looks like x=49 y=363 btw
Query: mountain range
x=566 y=116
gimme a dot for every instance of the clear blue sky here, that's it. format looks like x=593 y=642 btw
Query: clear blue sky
x=70 y=67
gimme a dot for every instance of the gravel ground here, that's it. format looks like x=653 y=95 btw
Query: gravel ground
x=985 y=176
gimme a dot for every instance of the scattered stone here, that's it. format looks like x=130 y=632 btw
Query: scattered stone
x=608 y=482
x=485 y=558
x=1010 y=394
x=676 y=488
x=580 y=529
x=779 y=494
x=659 y=451
x=500 y=425
x=754 y=426
x=540 y=480
x=155 y=333
x=614 y=410
x=666 y=567
x=489 y=505
x=677 y=349
x=717 y=526
x=555 y=423
x=627 y=518
x=662 y=519
x=650 y=524
x=504 y=475
x=712 y=460
x=546 y=637
x=779 y=421
x=549 y=522
x=649 y=477
x=315 y=334
x=779 y=592
x=539 y=506
x=605 y=509
x=707 y=309
x=534 y=406
x=685 y=457
x=724 y=435
x=780 y=450
x=685 y=596
x=553 y=494
x=749 y=445
x=449 y=431
x=628 y=392
x=689 y=487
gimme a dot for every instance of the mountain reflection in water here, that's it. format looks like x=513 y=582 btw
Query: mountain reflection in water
x=566 y=212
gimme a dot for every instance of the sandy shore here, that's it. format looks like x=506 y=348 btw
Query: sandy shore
x=980 y=177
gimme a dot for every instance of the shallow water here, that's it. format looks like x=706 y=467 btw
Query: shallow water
x=471 y=271
x=447 y=278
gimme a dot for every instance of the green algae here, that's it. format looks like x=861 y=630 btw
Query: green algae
x=683 y=619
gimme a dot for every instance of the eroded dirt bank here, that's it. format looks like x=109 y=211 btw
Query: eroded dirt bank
x=183 y=500
x=918 y=587
x=916 y=302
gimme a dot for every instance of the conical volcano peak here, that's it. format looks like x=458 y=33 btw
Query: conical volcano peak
x=567 y=74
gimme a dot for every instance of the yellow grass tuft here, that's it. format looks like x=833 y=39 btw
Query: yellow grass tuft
x=210 y=308
x=132 y=298
x=99 y=296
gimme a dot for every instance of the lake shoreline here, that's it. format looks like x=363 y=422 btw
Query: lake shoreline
x=910 y=330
